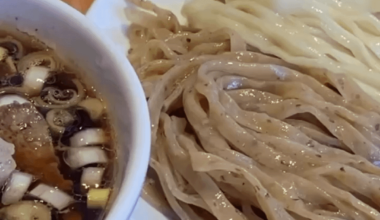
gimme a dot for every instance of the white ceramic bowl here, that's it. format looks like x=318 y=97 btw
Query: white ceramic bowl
x=109 y=16
x=77 y=40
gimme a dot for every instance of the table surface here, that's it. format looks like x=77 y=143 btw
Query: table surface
x=81 y=5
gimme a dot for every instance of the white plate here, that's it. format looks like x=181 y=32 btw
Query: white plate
x=110 y=17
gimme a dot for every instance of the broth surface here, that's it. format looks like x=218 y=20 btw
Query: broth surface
x=70 y=111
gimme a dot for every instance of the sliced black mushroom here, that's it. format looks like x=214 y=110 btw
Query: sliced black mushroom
x=82 y=121
x=14 y=47
x=59 y=119
x=11 y=81
x=7 y=56
x=60 y=91
x=10 y=47
x=16 y=80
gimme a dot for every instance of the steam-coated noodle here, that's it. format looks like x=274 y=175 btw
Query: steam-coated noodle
x=241 y=135
x=341 y=36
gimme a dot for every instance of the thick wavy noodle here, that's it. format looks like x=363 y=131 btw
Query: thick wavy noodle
x=340 y=36
x=241 y=135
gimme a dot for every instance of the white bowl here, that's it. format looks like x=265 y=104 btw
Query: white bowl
x=77 y=40
x=109 y=15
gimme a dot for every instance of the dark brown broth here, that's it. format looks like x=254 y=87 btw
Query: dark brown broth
x=32 y=45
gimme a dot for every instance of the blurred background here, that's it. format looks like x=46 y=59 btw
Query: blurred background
x=81 y=5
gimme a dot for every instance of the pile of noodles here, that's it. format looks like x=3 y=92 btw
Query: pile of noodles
x=340 y=35
x=241 y=135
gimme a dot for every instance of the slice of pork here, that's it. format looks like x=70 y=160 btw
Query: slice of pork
x=25 y=210
x=25 y=127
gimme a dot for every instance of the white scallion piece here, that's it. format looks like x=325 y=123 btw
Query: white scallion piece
x=90 y=136
x=34 y=79
x=16 y=187
x=55 y=197
x=10 y=99
x=93 y=106
x=81 y=156
x=92 y=177
x=8 y=164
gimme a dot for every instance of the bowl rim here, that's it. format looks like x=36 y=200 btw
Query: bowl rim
x=139 y=154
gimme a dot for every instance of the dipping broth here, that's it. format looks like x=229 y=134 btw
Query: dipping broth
x=55 y=137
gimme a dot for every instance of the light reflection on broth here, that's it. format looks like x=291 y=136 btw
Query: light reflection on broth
x=62 y=164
